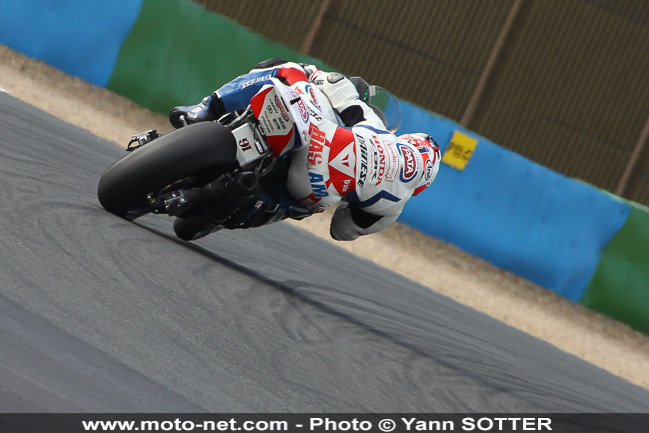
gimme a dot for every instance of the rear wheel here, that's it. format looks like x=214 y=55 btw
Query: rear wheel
x=196 y=154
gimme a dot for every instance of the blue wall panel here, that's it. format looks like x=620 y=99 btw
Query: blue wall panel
x=513 y=212
x=81 y=38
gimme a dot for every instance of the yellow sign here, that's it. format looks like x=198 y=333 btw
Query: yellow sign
x=459 y=150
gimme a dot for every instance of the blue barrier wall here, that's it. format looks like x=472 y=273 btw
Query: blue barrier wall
x=518 y=215
x=81 y=38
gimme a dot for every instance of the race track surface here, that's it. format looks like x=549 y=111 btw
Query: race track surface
x=99 y=314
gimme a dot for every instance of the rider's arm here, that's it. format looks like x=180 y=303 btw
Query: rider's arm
x=345 y=99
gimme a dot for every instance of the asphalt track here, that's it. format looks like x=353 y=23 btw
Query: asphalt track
x=101 y=315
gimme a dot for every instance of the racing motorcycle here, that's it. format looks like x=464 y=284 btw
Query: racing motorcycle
x=230 y=173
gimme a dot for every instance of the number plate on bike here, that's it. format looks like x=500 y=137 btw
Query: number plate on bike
x=248 y=148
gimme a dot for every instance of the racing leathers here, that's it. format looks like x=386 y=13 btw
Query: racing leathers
x=370 y=170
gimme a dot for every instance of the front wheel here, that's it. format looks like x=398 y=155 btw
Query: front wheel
x=202 y=152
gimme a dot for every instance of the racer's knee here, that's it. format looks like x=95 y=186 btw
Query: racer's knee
x=342 y=226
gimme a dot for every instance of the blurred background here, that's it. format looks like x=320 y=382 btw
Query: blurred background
x=563 y=83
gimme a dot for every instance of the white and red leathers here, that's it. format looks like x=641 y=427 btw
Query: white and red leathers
x=367 y=168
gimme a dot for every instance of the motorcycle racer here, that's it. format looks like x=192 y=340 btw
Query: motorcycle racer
x=362 y=165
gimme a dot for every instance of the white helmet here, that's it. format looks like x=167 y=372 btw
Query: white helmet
x=430 y=158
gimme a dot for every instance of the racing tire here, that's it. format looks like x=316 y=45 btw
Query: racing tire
x=201 y=151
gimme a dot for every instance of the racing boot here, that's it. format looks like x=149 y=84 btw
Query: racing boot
x=210 y=108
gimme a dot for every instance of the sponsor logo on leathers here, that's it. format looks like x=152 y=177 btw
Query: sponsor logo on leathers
x=362 y=174
x=300 y=104
x=410 y=163
x=256 y=80
x=318 y=185
x=342 y=169
x=428 y=172
x=317 y=143
x=388 y=161
x=309 y=89
x=303 y=111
